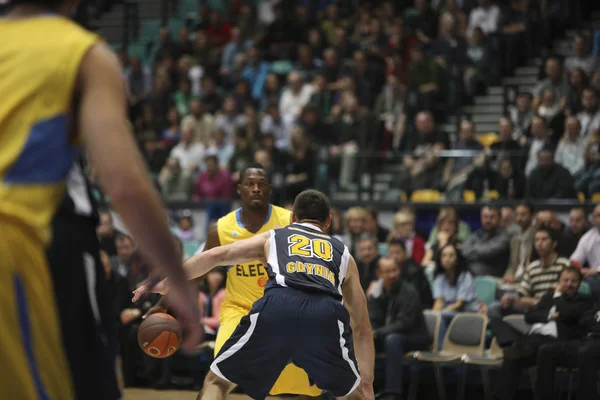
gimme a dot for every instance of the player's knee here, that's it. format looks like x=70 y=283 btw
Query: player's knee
x=213 y=380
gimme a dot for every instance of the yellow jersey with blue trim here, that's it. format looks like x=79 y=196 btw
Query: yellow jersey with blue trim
x=246 y=282
x=39 y=63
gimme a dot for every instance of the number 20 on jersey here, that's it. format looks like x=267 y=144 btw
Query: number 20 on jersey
x=303 y=246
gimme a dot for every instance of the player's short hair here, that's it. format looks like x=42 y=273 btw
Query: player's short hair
x=312 y=205
x=253 y=165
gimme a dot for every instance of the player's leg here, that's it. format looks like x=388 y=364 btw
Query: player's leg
x=215 y=388
x=355 y=395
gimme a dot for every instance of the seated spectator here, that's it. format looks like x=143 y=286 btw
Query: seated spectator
x=539 y=277
x=509 y=184
x=237 y=45
x=521 y=114
x=185 y=229
x=107 y=233
x=540 y=139
x=555 y=317
x=589 y=117
x=507 y=221
x=299 y=171
x=295 y=96
x=404 y=229
x=367 y=260
x=277 y=125
x=213 y=183
x=514 y=36
x=255 y=72
x=486 y=16
x=424 y=79
x=550 y=180
x=447 y=230
x=390 y=105
x=554 y=79
x=373 y=227
x=552 y=113
x=173 y=183
x=587 y=254
x=578 y=80
x=582 y=354
x=571 y=148
x=479 y=56
x=229 y=119
x=398 y=323
x=170 y=136
x=506 y=146
x=354 y=226
x=486 y=250
x=411 y=271
x=521 y=244
x=458 y=168
x=271 y=93
x=578 y=226
x=210 y=297
x=453 y=287
x=211 y=99
x=582 y=58
x=203 y=123
x=589 y=181
x=243 y=154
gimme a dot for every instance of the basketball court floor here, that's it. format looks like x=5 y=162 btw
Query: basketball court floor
x=148 y=394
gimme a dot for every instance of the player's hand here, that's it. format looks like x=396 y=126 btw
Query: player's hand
x=184 y=303
x=159 y=307
x=148 y=286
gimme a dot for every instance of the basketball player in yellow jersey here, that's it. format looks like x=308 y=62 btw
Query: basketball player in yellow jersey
x=46 y=62
x=245 y=282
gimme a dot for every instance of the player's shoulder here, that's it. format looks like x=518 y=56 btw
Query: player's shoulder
x=281 y=216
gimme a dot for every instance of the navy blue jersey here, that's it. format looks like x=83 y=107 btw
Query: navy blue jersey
x=303 y=258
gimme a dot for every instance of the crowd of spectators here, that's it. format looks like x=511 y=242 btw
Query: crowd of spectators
x=283 y=86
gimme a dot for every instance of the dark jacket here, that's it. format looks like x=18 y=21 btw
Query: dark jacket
x=554 y=182
x=415 y=275
x=569 y=309
x=398 y=310
x=590 y=324
x=367 y=272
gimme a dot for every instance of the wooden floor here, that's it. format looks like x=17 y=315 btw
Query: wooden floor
x=148 y=394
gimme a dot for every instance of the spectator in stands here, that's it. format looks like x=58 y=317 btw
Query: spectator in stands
x=373 y=227
x=458 y=168
x=423 y=20
x=367 y=260
x=189 y=154
x=354 y=227
x=578 y=80
x=243 y=154
x=450 y=49
x=251 y=27
x=299 y=170
x=424 y=167
x=578 y=226
x=107 y=233
x=121 y=263
x=271 y=93
x=218 y=30
x=222 y=149
x=554 y=79
x=506 y=147
x=277 y=155
x=514 y=36
x=571 y=148
x=589 y=118
x=521 y=244
x=255 y=72
x=425 y=80
x=509 y=183
x=173 y=183
x=507 y=221
x=550 y=180
x=203 y=122
x=170 y=136
x=229 y=119
x=486 y=17
x=390 y=105
x=214 y=182
x=552 y=113
x=582 y=354
x=540 y=139
x=166 y=46
x=589 y=181
x=210 y=296
x=486 y=250
x=211 y=99
x=306 y=64
x=138 y=79
x=554 y=317
x=587 y=254
x=451 y=8
x=521 y=115
x=404 y=229
x=448 y=229
x=582 y=58
x=539 y=277
x=295 y=96
x=479 y=56
x=396 y=314
x=186 y=230
x=453 y=287
x=237 y=45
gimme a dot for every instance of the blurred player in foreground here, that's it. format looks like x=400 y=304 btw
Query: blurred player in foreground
x=301 y=318
x=246 y=281
x=62 y=87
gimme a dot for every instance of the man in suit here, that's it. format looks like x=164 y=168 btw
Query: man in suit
x=521 y=245
x=555 y=317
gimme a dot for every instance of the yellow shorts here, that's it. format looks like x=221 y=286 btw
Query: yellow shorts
x=32 y=355
x=293 y=380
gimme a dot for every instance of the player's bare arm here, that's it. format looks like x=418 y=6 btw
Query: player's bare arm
x=104 y=129
x=356 y=304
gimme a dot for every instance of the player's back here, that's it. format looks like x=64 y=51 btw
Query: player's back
x=303 y=258
x=40 y=58
x=246 y=282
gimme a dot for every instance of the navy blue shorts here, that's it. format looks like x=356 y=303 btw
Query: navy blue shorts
x=290 y=326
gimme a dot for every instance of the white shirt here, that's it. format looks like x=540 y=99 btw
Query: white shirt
x=588 y=249
x=570 y=155
x=547 y=328
x=486 y=19
x=188 y=156
x=280 y=129
x=291 y=104
x=532 y=161
x=589 y=122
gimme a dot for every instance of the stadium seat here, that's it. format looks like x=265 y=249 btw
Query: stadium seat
x=383 y=249
x=465 y=335
x=585 y=289
x=487 y=139
x=486 y=287
x=190 y=247
x=425 y=196
x=596 y=197
x=581 y=197
x=517 y=321
x=491 y=360
x=469 y=196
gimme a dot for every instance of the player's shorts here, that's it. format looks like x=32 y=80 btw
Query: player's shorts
x=292 y=380
x=85 y=309
x=290 y=326
x=33 y=360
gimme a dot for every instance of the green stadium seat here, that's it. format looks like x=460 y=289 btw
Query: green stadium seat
x=485 y=287
x=190 y=247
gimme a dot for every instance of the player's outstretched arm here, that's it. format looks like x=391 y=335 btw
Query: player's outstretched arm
x=243 y=251
x=356 y=304
x=105 y=132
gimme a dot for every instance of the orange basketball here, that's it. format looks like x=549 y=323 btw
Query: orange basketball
x=159 y=335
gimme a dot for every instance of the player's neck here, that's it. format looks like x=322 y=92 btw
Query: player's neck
x=312 y=223
x=253 y=218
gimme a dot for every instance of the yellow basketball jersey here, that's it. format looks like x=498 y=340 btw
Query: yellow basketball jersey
x=246 y=282
x=39 y=63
